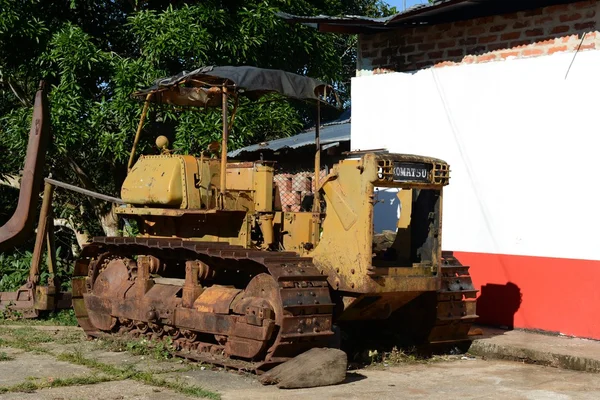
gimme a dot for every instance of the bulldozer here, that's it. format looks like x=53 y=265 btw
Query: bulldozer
x=223 y=272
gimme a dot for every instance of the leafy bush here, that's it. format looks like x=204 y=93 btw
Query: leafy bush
x=14 y=270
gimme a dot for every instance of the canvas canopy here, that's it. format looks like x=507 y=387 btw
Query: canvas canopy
x=203 y=86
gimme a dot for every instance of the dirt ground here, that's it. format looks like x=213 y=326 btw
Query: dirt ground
x=58 y=363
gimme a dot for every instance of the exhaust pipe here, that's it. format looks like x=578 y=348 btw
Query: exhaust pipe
x=20 y=225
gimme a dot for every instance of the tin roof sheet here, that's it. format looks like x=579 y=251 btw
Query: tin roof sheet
x=336 y=131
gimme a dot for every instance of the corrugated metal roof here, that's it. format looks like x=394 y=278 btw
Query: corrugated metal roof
x=336 y=131
x=429 y=13
x=360 y=19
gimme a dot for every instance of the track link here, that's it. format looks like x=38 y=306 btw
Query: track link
x=456 y=301
x=306 y=320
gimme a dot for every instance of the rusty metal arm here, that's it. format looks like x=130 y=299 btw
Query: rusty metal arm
x=21 y=223
x=86 y=192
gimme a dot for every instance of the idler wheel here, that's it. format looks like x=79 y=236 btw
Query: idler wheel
x=104 y=290
x=261 y=306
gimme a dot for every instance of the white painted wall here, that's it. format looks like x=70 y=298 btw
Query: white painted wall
x=522 y=141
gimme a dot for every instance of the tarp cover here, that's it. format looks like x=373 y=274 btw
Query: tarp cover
x=202 y=87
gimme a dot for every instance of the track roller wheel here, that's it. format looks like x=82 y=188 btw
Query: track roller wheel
x=190 y=335
x=142 y=327
x=158 y=330
x=172 y=332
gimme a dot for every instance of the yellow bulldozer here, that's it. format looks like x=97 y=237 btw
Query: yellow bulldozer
x=231 y=278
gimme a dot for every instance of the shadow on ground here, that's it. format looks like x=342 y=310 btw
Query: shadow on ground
x=352 y=377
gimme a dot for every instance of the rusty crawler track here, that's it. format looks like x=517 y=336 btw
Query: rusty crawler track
x=455 y=303
x=305 y=305
x=303 y=317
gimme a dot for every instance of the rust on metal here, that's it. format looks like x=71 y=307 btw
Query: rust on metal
x=223 y=290
x=241 y=322
x=45 y=227
x=22 y=301
x=216 y=299
x=219 y=268
x=191 y=288
x=20 y=225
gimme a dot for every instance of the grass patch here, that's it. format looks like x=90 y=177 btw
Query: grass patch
x=148 y=378
x=9 y=316
x=60 y=318
x=29 y=335
x=78 y=358
x=69 y=337
x=158 y=350
x=28 y=338
x=31 y=386
x=54 y=318
x=25 y=338
x=401 y=357
x=5 y=357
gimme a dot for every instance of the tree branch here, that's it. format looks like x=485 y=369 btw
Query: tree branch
x=82 y=237
x=108 y=220
x=13 y=181
x=84 y=179
x=19 y=93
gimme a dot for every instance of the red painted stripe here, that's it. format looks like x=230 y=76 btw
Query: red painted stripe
x=550 y=294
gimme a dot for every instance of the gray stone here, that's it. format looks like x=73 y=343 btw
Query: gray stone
x=314 y=368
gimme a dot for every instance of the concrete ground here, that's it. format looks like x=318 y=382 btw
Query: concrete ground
x=58 y=363
x=542 y=349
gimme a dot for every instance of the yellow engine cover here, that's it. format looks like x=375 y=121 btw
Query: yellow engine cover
x=156 y=180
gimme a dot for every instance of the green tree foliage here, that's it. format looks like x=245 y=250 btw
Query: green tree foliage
x=95 y=53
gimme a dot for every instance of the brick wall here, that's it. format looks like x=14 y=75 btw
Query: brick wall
x=532 y=33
